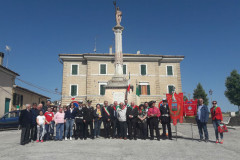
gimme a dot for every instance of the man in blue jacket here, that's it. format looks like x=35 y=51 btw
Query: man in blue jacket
x=202 y=119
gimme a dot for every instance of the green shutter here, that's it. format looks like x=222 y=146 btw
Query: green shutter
x=21 y=101
x=170 y=89
x=143 y=70
x=148 y=89
x=73 y=90
x=103 y=69
x=169 y=71
x=14 y=99
x=74 y=69
x=102 y=90
x=140 y=89
x=124 y=69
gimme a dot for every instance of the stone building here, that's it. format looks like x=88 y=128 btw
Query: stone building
x=85 y=75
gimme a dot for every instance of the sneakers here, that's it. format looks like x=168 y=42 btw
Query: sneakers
x=65 y=138
x=217 y=141
x=41 y=140
x=221 y=141
x=70 y=138
x=37 y=140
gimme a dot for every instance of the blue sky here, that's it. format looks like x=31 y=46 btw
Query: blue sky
x=207 y=32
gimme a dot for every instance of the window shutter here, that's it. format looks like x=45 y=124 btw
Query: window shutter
x=170 y=89
x=143 y=69
x=103 y=69
x=140 y=89
x=102 y=90
x=21 y=101
x=73 y=90
x=148 y=89
x=169 y=71
x=14 y=98
x=124 y=69
x=74 y=69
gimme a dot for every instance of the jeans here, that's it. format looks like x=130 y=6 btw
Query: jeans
x=123 y=129
x=52 y=125
x=216 y=123
x=69 y=126
x=97 y=125
x=59 y=131
x=47 y=131
x=40 y=132
x=202 y=127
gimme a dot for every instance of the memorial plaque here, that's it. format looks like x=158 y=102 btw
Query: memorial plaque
x=118 y=96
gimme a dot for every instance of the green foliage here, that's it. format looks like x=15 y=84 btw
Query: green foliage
x=233 y=88
x=199 y=92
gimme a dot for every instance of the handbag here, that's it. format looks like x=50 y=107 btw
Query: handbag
x=222 y=128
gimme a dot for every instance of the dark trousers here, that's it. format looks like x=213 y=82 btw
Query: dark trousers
x=132 y=127
x=34 y=132
x=169 y=130
x=25 y=134
x=106 y=125
x=143 y=130
x=79 y=130
x=154 y=125
x=115 y=128
x=202 y=127
x=47 y=132
x=148 y=126
x=85 y=126
x=123 y=129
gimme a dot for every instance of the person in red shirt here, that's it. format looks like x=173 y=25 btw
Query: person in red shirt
x=153 y=114
x=217 y=119
x=49 y=118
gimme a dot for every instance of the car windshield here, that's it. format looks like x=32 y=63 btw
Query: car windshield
x=11 y=115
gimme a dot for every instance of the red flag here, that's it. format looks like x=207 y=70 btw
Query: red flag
x=73 y=99
x=128 y=89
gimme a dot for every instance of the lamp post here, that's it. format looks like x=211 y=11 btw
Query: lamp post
x=210 y=93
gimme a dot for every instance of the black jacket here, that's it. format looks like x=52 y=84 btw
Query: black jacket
x=69 y=115
x=88 y=113
x=113 y=114
x=25 y=118
x=163 y=111
x=96 y=118
x=79 y=115
x=133 y=112
x=105 y=116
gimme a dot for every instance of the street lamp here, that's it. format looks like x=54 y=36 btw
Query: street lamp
x=210 y=93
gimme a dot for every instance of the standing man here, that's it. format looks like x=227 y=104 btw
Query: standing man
x=88 y=119
x=202 y=119
x=34 y=122
x=132 y=119
x=25 y=120
x=49 y=118
x=126 y=103
x=122 y=118
x=114 y=120
x=79 y=123
x=153 y=114
x=45 y=108
x=165 y=119
x=106 y=117
x=146 y=107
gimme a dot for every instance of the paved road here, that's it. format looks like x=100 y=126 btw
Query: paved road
x=107 y=149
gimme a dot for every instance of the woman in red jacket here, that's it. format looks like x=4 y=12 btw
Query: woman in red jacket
x=217 y=119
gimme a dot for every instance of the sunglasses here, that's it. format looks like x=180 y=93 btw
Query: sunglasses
x=214 y=103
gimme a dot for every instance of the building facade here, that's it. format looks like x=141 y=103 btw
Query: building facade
x=85 y=75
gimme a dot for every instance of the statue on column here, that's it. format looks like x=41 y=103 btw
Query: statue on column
x=118 y=14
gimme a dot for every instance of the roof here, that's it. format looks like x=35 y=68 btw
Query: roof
x=8 y=70
x=126 y=57
x=27 y=90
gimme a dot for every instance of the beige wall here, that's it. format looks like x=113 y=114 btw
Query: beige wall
x=89 y=77
x=6 y=84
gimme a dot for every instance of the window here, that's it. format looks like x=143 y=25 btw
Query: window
x=124 y=69
x=74 y=69
x=143 y=68
x=17 y=99
x=144 y=89
x=170 y=89
x=102 y=88
x=103 y=69
x=169 y=70
x=73 y=90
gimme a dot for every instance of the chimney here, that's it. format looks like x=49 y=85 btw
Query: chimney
x=110 y=50
x=1 y=58
x=138 y=52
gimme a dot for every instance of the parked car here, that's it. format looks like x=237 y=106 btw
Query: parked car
x=10 y=120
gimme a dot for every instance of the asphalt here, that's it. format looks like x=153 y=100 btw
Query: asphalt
x=108 y=149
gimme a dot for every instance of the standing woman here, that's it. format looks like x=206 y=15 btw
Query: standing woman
x=98 y=120
x=69 y=120
x=142 y=122
x=41 y=119
x=217 y=119
x=59 y=121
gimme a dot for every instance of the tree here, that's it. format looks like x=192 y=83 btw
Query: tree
x=233 y=88
x=199 y=92
x=185 y=98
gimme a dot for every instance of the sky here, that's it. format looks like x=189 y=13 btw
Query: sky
x=206 y=32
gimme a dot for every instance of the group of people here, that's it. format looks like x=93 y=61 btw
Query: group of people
x=122 y=121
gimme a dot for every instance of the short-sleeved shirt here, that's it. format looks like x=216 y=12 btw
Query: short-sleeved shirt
x=41 y=119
